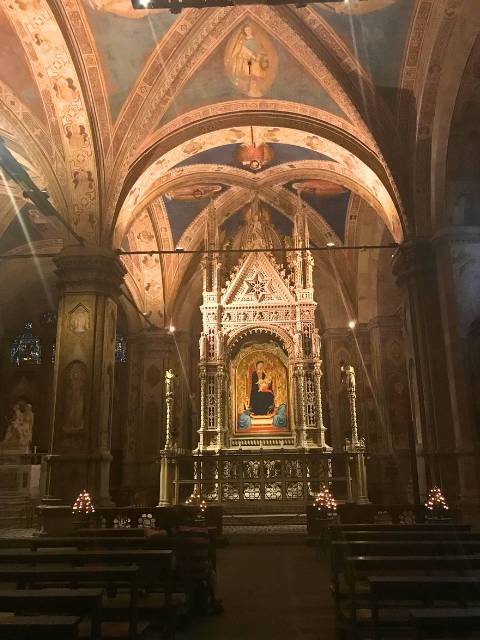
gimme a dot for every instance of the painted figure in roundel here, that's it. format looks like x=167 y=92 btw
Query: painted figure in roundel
x=251 y=61
x=357 y=8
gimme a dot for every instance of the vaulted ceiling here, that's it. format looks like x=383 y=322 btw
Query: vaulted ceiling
x=128 y=118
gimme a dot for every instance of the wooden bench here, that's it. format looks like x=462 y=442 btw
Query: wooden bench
x=111 y=532
x=104 y=576
x=401 y=527
x=358 y=569
x=392 y=597
x=78 y=602
x=445 y=623
x=38 y=627
x=339 y=550
x=394 y=536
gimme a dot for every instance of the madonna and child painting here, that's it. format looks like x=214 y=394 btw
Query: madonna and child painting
x=261 y=392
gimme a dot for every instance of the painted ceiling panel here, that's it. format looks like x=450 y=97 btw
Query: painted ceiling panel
x=124 y=43
x=280 y=221
x=281 y=153
x=332 y=208
x=376 y=33
x=15 y=70
x=181 y=213
x=215 y=82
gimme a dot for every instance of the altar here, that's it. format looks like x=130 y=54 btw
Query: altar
x=261 y=439
x=260 y=365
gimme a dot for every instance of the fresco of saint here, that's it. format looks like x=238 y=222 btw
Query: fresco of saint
x=251 y=61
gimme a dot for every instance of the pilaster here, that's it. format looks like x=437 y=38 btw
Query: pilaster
x=89 y=282
x=415 y=268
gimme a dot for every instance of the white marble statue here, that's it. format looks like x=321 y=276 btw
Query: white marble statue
x=19 y=431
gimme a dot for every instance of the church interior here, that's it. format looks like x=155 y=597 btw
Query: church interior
x=239 y=319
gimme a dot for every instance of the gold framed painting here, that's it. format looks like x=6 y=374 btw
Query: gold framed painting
x=260 y=381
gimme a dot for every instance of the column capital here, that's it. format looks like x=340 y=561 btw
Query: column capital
x=414 y=259
x=89 y=268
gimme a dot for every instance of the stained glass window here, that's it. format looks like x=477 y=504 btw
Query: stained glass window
x=26 y=348
x=121 y=349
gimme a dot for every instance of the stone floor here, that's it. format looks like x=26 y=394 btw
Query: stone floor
x=275 y=591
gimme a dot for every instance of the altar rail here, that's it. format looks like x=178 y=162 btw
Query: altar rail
x=251 y=481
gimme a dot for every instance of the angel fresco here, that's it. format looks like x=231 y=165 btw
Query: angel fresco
x=251 y=61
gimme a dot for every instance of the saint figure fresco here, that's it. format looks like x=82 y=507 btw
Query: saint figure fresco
x=251 y=61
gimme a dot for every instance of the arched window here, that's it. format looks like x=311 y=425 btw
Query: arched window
x=26 y=348
x=121 y=349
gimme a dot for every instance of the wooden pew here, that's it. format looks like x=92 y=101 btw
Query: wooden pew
x=105 y=576
x=446 y=622
x=339 y=550
x=38 y=627
x=394 y=536
x=78 y=602
x=442 y=526
x=402 y=590
x=111 y=532
x=358 y=569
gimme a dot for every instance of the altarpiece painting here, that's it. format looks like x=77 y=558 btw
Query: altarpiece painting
x=260 y=381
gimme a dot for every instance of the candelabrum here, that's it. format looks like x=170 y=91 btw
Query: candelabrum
x=354 y=446
x=436 y=504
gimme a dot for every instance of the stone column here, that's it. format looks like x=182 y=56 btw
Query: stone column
x=151 y=353
x=89 y=281
x=317 y=373
x=301 y=426
x=415 y=268
x=457 y=251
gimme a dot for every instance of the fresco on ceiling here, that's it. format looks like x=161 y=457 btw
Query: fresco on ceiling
x=15 y=70
x=319 y=188
x=122 y=8
x=213 y=83
x=333 y=208
x=194 y=192
x=182 y=212
x=124 y=44
x=375 y=31
x=251 y=60
x=29 y=225
x=226 y=154
x=358 y=8
x=280 y=221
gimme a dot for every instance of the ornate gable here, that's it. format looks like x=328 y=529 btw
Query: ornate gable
x=257 y=283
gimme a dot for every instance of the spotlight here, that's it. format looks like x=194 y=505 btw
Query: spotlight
x=330 y=244
x=352 y=324
x=171 y=328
